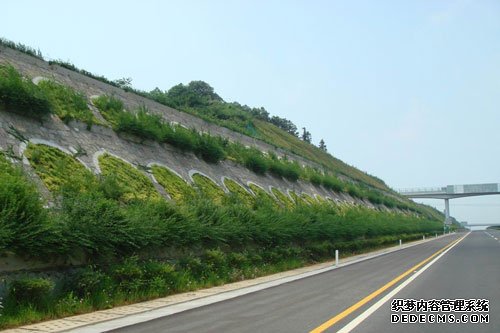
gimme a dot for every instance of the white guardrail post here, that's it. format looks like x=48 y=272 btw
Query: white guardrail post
x=400 y=243
x=336 y=258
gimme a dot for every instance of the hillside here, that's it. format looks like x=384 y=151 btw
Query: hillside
x=111 y=196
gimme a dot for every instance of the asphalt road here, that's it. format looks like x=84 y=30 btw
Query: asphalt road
x=469 y=270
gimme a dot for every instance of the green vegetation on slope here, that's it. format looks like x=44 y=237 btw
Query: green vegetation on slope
x=208 y=188
x=22 y=96
x=240 y=192
x=262 y=198
x=279 y=138
x=282 y=198
x=134 y=185
x=144 y=124
x=23 y=221
x=308 y=199
x=200 y=99
x=212 y=243
x=54 y=167
x=175 y=186
x=67 y=103
x=27 y=99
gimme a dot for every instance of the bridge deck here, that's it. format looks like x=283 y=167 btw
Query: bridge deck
x=452 y=191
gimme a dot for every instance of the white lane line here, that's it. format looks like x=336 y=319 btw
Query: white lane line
x=356 y=321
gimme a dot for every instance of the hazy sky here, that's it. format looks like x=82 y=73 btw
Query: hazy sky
x=408 y=91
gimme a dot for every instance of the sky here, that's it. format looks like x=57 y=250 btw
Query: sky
x=408 y=91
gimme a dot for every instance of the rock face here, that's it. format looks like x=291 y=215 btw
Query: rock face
x=75 y=136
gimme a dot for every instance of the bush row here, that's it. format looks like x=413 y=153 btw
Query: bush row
x=22 y=96
x=206 y=243
x=150 y=126
x=94 y=287
x=91 y=221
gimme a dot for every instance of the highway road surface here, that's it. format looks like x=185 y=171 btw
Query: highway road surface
x=358 y=297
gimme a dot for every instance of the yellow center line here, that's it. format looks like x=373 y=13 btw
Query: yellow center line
x=377 y=292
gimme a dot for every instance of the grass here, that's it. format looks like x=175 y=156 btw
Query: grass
x=262 y=197
x=178 y=189
x=297 y=199
x=22 y=48
x=200 y=99
x=146 y=125
x=279 y=138
x=93 y=288
x=239 y=192
x=23 y=221
x=308 y=199
x=54 y=167
x=134 y=184
x=208 y=188
x=109 y=107
x=206 y=243
x=282 y=198
x=67 y=103
x=22 y=96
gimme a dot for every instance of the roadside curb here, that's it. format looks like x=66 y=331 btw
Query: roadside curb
x=122 y=316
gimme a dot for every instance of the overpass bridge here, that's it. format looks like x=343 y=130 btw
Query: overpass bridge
x=467 y=225
x=451 y=192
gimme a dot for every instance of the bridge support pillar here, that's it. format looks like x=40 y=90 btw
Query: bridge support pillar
x=447 y=208
x=446 y=213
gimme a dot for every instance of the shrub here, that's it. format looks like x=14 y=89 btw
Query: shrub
x=209 y=149
x=180 y=137
x=215 y=260
x=292 y=172
x=277 y=168
x=34 y=291
x=22 y=96
x=22 y=48
x=353 y=191
x=255 y=161
x=96 y=225
x=141 y=124
x=194 y=266
x=87 y=281
x=109 y=107
x=24 y=224
x=128 y=275
x=332 y=183
x=315 y=178
x=67 y=103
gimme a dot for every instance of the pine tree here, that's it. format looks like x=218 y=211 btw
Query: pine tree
x=322 y=145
